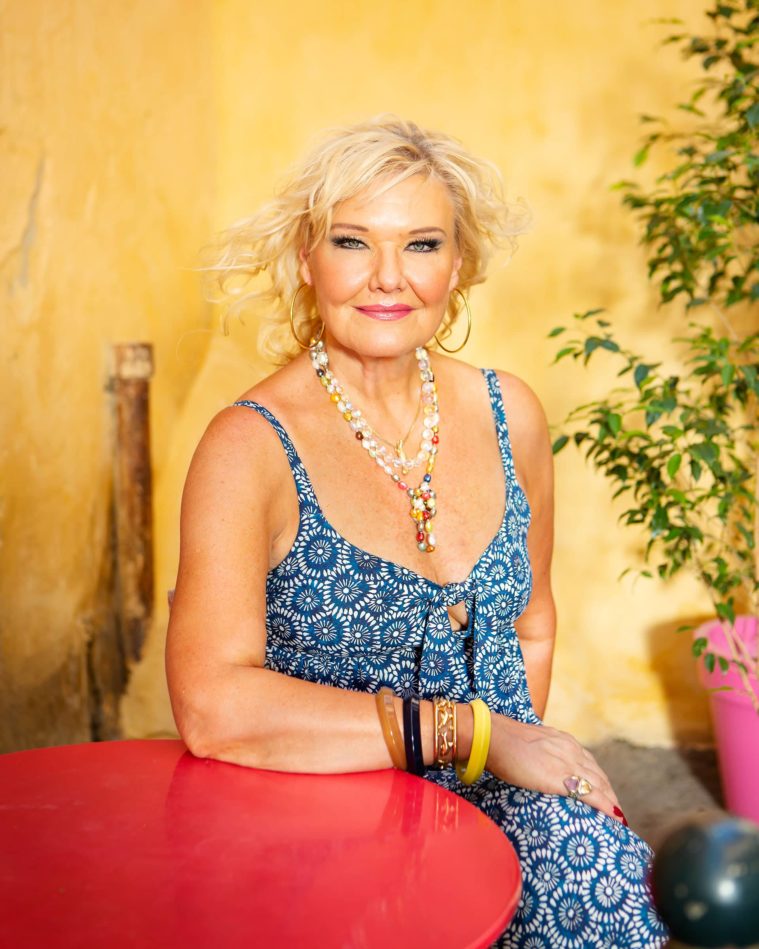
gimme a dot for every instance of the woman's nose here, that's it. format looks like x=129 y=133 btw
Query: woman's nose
x=387 y=273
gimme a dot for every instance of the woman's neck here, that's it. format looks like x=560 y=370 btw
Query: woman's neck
x=385 y=389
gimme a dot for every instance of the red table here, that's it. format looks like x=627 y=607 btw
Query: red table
x=137 y=843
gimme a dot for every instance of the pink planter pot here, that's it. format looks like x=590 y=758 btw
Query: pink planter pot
x=736 y=723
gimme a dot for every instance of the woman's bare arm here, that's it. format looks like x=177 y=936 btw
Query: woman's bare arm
x=226 y=705
x=533 y=458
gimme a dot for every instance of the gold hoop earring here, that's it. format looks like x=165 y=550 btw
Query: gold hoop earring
x=292 y=321
x=468 y=325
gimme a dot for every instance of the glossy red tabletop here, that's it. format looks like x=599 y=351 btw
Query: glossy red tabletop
x=137 y=843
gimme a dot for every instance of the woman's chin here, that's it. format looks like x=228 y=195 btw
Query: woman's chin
x=381 y=339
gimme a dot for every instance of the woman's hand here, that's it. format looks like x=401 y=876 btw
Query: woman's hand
x=539 y=758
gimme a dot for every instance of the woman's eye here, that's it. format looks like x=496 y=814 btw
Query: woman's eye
x=349 y=242
x=426 y=245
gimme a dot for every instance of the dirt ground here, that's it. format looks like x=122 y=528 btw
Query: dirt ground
x=659 y=788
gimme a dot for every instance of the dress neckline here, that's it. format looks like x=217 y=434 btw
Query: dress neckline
x=393 y=564
x=296 y=463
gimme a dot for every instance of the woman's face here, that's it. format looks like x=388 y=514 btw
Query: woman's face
x=383 y=274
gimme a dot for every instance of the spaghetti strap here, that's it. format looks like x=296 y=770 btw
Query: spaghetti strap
x=502 y=428
x=305 y=489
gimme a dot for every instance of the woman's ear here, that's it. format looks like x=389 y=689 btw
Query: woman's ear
x=454 y=281
x=303 y=269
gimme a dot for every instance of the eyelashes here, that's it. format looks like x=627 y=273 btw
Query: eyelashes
x=424 y=245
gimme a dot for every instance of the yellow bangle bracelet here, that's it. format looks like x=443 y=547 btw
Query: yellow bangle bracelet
x=474 y=767
x=390 y=729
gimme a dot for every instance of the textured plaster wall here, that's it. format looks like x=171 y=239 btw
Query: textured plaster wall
x=147 y=133
x=108 y=181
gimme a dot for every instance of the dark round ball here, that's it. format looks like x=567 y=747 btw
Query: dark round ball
x=705 y=881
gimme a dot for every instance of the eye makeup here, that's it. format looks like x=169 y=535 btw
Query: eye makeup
x=426 y=244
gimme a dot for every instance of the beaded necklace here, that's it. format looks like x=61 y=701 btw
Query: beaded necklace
x=423 y=502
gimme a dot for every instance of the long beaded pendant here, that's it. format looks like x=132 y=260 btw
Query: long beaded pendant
x=423 y=505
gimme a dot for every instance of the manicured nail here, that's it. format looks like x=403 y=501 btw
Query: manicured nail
x=618 y=812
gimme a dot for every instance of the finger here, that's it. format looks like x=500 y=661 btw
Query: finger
x=600 y=787
x=609 y=806
x=598 y=777
x=606 y=803
x=600 y=780
x=600 y=801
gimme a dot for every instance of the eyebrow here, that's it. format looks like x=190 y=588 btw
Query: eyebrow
x=417 y=230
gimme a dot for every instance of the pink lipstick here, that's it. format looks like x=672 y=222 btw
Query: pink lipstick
x=395 y=312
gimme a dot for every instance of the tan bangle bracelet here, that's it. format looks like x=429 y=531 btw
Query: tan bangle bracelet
x=390 y=730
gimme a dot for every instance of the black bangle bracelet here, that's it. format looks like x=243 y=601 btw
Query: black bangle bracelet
x=412 y=736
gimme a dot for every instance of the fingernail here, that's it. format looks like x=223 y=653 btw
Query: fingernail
x=619 y=813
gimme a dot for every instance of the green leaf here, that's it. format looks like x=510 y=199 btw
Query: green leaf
x=752 y=116
x=566 y=351
x=559 y=444
x=641 y=156
x=614 y=421
x=673 y=465
x=709 y=660
x=609 y=344
x=698 y=645
x=591 y=345
x=641 y=373
x=704 y=451
x=557 y=331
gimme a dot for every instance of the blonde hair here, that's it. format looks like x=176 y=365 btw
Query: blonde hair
x=385 y=149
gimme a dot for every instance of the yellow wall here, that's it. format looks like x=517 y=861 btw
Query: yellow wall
x=178 y=118
x=108 y=181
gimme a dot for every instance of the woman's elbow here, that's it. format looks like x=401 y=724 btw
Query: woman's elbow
x=199 y=721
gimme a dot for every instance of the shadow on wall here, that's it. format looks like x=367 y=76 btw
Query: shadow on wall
x=686 y=702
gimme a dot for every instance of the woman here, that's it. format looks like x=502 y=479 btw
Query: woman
x=405 y=544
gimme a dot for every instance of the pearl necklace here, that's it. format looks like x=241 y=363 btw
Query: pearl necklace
x=423 y=501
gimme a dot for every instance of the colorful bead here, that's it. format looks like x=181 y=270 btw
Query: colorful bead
x=422 y=498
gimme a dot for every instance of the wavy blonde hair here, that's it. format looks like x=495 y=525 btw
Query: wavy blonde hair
x=383 y=150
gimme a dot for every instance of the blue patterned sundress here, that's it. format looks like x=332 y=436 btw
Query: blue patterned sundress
x=341 y=616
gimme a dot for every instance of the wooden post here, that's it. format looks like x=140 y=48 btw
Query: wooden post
x=133 y=495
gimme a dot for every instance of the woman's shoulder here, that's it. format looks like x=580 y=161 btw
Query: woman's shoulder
x=241 y=438
x=274 y=393
x=528 y=432
x=521 y=403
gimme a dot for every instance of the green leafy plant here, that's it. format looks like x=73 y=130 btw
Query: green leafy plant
x=681 y=442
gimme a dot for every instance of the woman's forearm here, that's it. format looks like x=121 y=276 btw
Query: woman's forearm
x=538 y=660
x=265 y=719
